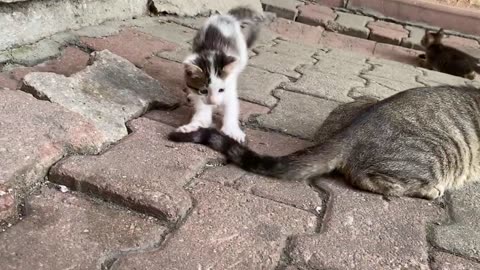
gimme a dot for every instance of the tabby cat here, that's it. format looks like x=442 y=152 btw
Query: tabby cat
x=418 y=143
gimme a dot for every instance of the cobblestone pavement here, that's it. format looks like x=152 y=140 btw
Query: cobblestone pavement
x=89 y=181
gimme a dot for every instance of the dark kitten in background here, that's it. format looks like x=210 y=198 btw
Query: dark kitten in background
x=447 y=59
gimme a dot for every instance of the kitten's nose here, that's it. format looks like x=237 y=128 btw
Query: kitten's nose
x=212 y=100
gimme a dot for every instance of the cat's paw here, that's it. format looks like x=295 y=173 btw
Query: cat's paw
x=235 y=133
x=188 y=128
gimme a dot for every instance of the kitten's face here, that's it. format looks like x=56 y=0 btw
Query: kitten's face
x=432 y=38
x=206 y=75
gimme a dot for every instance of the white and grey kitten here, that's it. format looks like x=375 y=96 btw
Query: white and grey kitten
x=220 y=54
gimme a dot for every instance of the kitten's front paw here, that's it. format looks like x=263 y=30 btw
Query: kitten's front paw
x=188 y=128
x=235 y=133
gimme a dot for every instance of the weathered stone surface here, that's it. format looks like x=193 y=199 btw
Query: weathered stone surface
x=282 y=8
x=434 y=78
x=445 y=261
x=325 y=85
x=392 y=75
x=297 y=114
x=171 y=32
x=44 y=18
x=281 y=64
x=108 y=92
x=461 y=235
x=178 y=55
x=387 y=32
x=94 y=31
x=168 y=73
x=313 y=14
x=190 y=22
x=256 y=85
x=297 y=32
x=297 y=194
x=71 y=61
x=351 y=24
x=34 y=135
x=300 y=51
x=372 y=89
x=350 y=57
x=347 y=43
x=6 y=81
x=30 y=55
x=145 y=171
x=199 y=7
x=243 y=232
x=8 y=205
x=363 y=231
x=65 y=231
x=415 y=35
x=396 y=53
x=330 y=63
x=133 y=45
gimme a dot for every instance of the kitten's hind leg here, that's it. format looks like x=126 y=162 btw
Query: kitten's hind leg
x=202 y=116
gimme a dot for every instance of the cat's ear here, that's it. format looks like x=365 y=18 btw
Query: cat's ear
x=192 y=70
x=230 y=63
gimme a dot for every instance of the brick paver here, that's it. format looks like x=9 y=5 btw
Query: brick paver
x=147 y=203
x=282 y=8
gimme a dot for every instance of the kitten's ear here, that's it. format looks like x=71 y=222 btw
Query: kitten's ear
x=440 y=33
x=230 y=64
x=192 y=70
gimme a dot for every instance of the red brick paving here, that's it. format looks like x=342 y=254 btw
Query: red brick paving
x=387 y=32
x=168 y=73
x=396 y=53
x=297 y=31
x=130 y=44
x=343 y=42
x=7 y=82
x=315 y=14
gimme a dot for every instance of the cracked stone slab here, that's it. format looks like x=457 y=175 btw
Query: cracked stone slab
x=236 y=230
x=446 y=261
x=145 y=171
x=277 y=63
x=297 y=114
x=461 y=235
x=35 y=134
x=131 y=44
x=351 y=24
x=288 y=48
x=256 y=85
x=66 y=231
x=379 y=234
x=372 y=89
x=325 y=85
x=109 y=92
x=30 y=55
x=434 y=78
x=171 y=32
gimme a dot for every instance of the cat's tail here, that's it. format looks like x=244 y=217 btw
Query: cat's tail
x=299 y=165
x=250 y=21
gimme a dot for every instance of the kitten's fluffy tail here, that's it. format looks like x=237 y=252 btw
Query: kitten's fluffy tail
x=250 y=21
x=300 y=165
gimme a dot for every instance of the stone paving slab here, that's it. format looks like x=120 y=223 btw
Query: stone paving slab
x=446 y=261
x=66 y=231
x=171 y=32
x=316 y=15
x=34 y=135
x=131 y=44
x=277 y=63
x=387 y=32
x=325 y=85
x=256 y=85
x=297 y=114
x=353 y=25
x=282 y=8
x=461 y=236
x=415 y=35
x=296 y=194
x=109 y=92
x=295 y=31
x=145 y=171
x=226 y=230
x=363 y=231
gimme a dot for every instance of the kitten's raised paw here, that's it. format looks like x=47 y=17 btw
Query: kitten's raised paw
x=188 y=128
x=235 y=133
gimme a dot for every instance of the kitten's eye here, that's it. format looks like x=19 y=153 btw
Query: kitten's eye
x=203 y=91
x=221 y=90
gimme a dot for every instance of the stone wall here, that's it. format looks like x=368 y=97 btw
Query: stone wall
x=23 y=22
